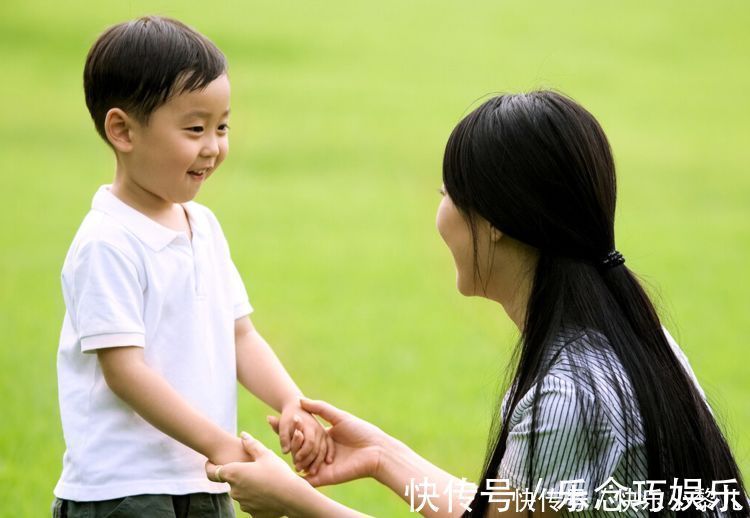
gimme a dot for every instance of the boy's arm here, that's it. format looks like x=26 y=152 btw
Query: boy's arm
x=146 y=392
x=259 y=369
x=261 y=372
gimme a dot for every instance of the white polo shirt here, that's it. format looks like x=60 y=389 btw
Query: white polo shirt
x=127 y=280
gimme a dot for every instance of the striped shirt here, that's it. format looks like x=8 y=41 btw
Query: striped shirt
x=580 y=428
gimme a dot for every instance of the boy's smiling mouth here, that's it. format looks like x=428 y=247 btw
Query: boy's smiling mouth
x=199 y=174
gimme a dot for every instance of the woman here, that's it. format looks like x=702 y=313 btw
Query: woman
x=599 y=391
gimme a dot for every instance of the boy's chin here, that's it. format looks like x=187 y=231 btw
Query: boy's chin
x=187 y=197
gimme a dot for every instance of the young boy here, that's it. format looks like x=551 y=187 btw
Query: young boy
x=157 y=331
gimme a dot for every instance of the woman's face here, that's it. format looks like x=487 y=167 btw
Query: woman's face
x=455 y=231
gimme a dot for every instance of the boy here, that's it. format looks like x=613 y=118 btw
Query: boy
x=156 y=330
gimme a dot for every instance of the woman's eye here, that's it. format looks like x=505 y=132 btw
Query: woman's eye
x=441 y=191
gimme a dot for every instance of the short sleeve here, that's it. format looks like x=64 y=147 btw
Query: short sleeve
x=240 y=301
x=107 y=297
x=573 y=440
x=686 y=366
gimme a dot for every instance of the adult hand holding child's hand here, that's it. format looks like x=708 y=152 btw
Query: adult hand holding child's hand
x=315 y=448
x=265 y=486
x=359 y=445
x=228 y=450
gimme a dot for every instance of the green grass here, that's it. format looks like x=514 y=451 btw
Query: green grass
x=340 y=114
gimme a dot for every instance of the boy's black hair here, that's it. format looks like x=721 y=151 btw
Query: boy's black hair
x=138 y=65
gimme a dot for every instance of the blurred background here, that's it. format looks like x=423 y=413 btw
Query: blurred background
x=340 y=112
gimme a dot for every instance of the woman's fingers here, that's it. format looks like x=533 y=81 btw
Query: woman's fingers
x=325 y=410
x=252 y=446
x=220 y=473
x=331 y=453
x=211 y=471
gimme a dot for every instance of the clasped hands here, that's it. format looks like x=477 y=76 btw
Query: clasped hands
x=267 y=487
x=304 y=437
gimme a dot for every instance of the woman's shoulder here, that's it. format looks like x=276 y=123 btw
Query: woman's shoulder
x=580 y=368
x=586 y=359
x=583 y=381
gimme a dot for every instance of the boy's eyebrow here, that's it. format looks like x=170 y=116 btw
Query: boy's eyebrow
x=202 y=114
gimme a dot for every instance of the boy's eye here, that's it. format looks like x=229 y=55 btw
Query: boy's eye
x=224 y=127
x=195 y=129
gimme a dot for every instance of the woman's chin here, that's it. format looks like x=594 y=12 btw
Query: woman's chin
x=464 y=288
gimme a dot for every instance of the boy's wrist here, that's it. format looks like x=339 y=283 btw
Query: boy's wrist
x=225 y=450
x=291 y=402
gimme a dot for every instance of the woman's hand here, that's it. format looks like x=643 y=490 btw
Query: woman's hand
x=359 y=445
x=266 y=487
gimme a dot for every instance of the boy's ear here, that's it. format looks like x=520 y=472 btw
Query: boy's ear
x=118 y=126
x=495 y=234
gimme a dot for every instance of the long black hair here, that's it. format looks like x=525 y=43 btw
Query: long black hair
x=539 y=168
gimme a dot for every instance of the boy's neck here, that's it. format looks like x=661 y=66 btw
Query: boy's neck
x=171 y=215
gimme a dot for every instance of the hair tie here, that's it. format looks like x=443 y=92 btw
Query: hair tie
x=612 y=259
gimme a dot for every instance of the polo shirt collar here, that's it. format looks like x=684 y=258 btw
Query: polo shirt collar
x=153 y=234
x=198 y=224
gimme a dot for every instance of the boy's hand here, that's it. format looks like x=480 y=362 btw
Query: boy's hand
x=317 y=447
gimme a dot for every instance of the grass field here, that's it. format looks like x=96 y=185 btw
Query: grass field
x=340 y=112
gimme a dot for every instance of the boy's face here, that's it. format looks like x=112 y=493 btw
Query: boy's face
x=183 y=143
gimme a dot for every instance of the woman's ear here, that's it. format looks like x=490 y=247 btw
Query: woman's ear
x=495 y=234
x=118 y=126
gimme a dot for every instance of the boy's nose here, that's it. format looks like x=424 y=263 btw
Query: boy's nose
x=210 y=147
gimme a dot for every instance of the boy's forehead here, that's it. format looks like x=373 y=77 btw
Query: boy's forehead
x=210 y=101
x=204 y=113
